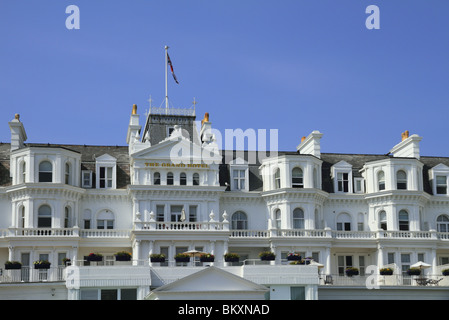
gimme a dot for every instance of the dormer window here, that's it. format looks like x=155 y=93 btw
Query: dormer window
x=343 y=182
x=441 y=184
x=440 y=179
x=238 y=179
x=106 y=172
x=341 y=172
x=239 y=175
x=105 y=177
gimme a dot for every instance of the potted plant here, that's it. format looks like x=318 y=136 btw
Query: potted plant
x=66 y=261
x=351 y=271
x=293 y=257
x=414 y=271
x=207 y=257
x=267 y=256
x=181 y=257
x=445 y=272
x=95 y=257
x=157 y=257
x=123 y=256
x=9 y=265
x=386 y=271
x=231 y=257
x=41 y=264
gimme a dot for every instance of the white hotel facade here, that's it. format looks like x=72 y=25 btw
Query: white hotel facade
x=342 y=210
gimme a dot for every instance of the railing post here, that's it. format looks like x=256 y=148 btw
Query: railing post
x=328 y=232
x=152 y=222
x=225 y=221
x=212 y=220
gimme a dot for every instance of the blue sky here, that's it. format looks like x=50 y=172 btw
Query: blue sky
x=291 y=65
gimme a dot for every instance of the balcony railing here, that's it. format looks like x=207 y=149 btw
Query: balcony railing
x=29 y=274
x=337 y=234
x=182 y=226
x=222 y=226
x=381 y=280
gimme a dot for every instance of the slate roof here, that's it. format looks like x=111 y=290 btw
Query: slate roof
x=89 y=153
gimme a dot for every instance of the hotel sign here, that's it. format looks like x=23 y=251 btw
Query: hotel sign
x=176 y=165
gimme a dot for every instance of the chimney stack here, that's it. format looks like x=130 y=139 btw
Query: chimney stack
x=18 y=134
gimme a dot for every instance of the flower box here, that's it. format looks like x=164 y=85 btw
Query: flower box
x=231 y=257
x=66 y=261
x=122 y=256
x=414 y=272
x=11 y=265
x=207 y=257
x=41 y=264
x=157 y=257
x=293 y=257
x=267 y=256
x=94 y=257
x=386 y=271
x=180 y=257
x=351 y=271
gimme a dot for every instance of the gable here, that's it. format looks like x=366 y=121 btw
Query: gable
x=178 y=150
x=211 y=279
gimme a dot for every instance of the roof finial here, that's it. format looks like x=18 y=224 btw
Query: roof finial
x=134 y=109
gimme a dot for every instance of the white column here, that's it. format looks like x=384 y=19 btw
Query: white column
x=327 y=259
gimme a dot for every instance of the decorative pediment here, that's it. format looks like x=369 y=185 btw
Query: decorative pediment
x=211 y=280
x=441 y=168
x=105 y=158
x=238 y=161
x=177 y=150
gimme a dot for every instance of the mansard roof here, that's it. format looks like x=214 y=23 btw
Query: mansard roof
x=90 y=152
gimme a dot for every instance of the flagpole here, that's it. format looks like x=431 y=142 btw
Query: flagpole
x=166 y=82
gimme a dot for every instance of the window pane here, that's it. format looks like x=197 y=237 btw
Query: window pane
x=297 y=293
x=109 y=294
x=128 y=294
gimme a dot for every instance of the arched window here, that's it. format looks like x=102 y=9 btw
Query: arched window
x=344 y=222
x=277 y=217
x=315 y=178
x=45 y=171
x=196 y=179
x=23 y=171
x=443 y=223
x=401 y=180
x=105 y=220
x=67 y=218
x=157 y=178
x=44 y=217
x=298 y=218
x=277 y=179
x=182 y=179
x=383 y=220
x=67 y=173
x=381 y=180
x=239 y=221
x=22 y=217
x=170 y=178
x=297 y=178
x=403 y=220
